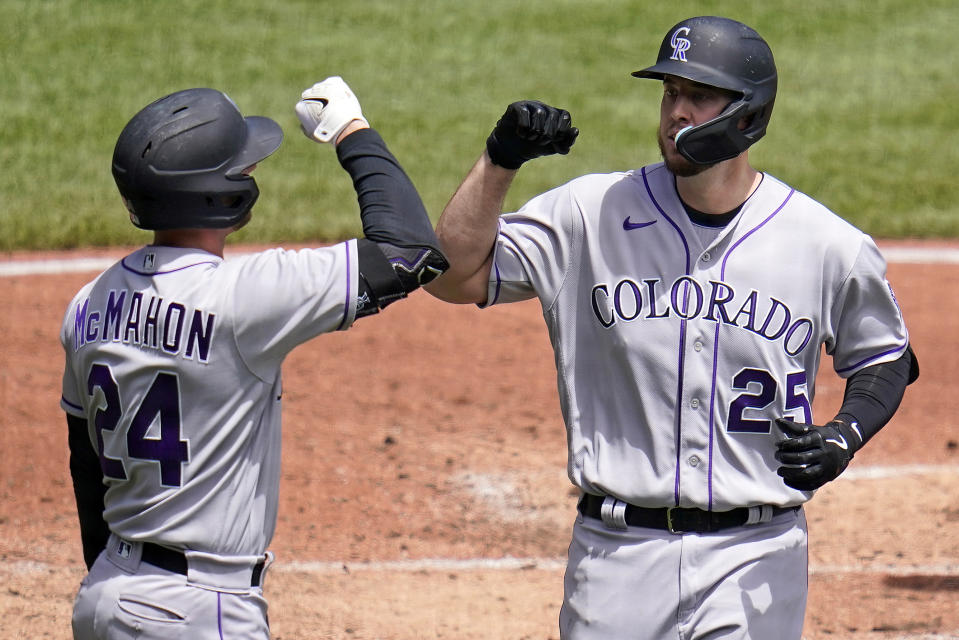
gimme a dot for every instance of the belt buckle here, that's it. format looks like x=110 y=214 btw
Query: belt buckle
x=669 y=521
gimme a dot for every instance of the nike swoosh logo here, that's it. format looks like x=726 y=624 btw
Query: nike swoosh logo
x=629 y=226
x=841 y=442
x=855 y=427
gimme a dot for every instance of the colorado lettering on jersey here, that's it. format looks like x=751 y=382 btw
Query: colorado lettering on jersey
x=130 y=318
x=769 y=318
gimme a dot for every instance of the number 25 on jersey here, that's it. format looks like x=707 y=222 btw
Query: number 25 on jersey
x=759 y=390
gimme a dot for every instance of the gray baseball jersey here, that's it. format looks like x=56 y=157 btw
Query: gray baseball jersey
x=677 y=348
x=153 y=341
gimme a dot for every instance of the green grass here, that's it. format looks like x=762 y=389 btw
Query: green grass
x=865 y=121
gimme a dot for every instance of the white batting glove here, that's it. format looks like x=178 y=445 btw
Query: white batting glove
x=327 y=108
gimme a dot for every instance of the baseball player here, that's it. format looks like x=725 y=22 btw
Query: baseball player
x=172 y=382
x=687 y=303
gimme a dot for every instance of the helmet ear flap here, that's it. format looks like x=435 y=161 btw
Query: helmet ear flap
x=717 y=139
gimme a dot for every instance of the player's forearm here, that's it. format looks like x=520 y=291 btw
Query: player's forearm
x=400 y=251
x=873 y=394
x=88 y=489
x=390 y=207
x=467 y=232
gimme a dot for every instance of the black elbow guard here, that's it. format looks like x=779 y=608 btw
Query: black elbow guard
x=392 y=272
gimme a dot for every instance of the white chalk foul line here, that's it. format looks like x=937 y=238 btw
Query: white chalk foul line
x=9 y=268
x=950 y=570
x=48 y=267
x=898 y=471
x=425 y=564
x=514 y=564
x=921 y=255
x=559 y=564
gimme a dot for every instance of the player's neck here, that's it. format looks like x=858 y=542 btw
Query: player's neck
x=209 y=240
x=720 y=188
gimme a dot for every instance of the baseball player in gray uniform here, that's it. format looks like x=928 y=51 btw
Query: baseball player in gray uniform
x=687 y=303
x=172 y=384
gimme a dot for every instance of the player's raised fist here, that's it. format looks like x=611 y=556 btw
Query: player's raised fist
x=326 y=108
x=530 y=129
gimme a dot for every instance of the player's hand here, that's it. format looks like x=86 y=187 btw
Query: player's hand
x=530 y=129
x=327 y=108
x=813 y=455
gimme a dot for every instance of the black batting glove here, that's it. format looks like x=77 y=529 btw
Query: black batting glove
x=813 y=455
x=530 y=129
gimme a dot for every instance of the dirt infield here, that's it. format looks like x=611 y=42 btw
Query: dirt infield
x=424 y=491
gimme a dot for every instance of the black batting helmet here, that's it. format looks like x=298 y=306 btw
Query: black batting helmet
x=179 y=162
x=726 y=54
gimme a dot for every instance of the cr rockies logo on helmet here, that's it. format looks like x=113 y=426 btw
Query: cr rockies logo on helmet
x=680 y=45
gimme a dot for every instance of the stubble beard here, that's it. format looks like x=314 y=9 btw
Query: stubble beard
x=677 y=164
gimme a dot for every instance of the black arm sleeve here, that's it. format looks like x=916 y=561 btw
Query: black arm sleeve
x=873 y=394
x=390 y=207
x=400 y=251
x=88 y=489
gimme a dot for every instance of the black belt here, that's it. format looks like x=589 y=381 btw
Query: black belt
x=175 y=561
x=675 y=519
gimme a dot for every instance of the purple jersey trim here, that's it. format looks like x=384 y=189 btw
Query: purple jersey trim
x=124 y=264
x=499 y=283
x=680 y=366
x=712 y=392
x=870 y=359
x=349 y=280
x=496 y=274
x=70 y=404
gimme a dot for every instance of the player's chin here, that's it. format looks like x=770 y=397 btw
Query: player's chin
x=677 y=164
x=680 y=166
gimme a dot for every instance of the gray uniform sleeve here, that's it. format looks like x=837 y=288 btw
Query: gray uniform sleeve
x=868 y=325
x=288 y=297
x=534 y=249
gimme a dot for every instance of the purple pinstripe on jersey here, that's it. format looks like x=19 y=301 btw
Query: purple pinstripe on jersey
x=219 y=614
x=682 y=337
x=712 y=392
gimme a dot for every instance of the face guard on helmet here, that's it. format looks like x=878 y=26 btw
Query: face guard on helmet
x=179 y=163
x=726 y=54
